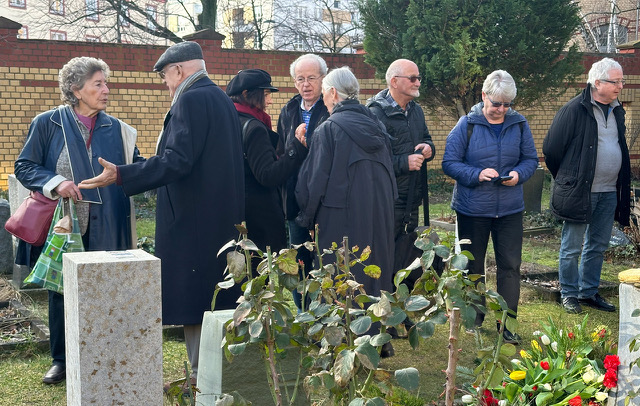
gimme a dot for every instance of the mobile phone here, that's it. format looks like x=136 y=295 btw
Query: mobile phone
x=501 y=179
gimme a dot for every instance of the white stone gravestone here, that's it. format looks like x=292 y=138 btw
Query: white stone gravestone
x=17 y=194
x=210 y=359
x=628 y=380
x=113 y=319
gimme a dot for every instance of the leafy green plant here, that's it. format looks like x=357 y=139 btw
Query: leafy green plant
x=339 y=344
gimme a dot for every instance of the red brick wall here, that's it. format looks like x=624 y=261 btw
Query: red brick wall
x=29 y=70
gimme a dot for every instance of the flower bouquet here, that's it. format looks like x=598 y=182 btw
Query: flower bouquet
x=563 y=368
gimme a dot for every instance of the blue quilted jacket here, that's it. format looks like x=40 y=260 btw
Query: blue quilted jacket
x=512 y=150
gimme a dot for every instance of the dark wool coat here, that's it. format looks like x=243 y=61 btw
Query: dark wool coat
x=406 y=132
x=570 y=151
x=199 y=177
x=290 y=118
x=110 y=222
x=464 y=158
x=264 y=171
x=347 y=186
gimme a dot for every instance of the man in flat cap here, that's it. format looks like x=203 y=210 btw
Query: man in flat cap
x=198 y=174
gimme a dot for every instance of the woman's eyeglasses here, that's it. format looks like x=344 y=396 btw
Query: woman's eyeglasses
x=412 y=79
x=498 y=104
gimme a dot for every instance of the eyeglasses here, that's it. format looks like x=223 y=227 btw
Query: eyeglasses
x=163 y=72
x=615 y=82
x=311 y=79
x=498 y=104
x=412 y=79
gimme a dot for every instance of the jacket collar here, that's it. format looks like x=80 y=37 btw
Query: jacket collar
x=389 y=109
x=101 y=121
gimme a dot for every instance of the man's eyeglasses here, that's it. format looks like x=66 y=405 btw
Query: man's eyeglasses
x=615 y=82
x=311 y=79
x=163 y=72
x=498 y=104
x=412 y=79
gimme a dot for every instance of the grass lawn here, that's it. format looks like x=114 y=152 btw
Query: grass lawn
x=21 y=371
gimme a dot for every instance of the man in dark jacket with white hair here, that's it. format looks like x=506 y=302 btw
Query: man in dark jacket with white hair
x=586 y=152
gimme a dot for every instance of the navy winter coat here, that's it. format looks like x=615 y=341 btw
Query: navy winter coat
x=199 y=177
x=513 y=150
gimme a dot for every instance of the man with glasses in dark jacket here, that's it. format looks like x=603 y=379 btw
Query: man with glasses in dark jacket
x=586 y=152
x=411 y=143
x=303 y=113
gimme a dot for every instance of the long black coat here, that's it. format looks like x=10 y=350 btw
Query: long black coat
x=570 y=151
x=264 y=171
x=199 y=177
x=347 y=186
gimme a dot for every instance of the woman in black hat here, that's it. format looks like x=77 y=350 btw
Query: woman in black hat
x=264 y=170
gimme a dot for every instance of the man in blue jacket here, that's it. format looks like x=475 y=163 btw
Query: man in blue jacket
x=586 y=152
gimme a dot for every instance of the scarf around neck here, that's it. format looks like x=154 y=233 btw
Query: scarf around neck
x=255 y=112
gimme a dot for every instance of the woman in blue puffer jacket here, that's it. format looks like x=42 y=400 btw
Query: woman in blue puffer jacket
x=490 y=153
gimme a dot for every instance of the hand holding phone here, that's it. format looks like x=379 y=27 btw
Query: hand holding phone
x=501 y=179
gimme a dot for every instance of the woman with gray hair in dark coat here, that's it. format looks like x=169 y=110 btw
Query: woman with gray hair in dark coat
x=347 y=185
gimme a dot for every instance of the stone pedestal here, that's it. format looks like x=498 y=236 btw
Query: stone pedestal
x=211 y=356
x=113 y=319
x=247 y=373
x=629 y=328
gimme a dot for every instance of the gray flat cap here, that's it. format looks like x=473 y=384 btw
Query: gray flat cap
x=180 y=52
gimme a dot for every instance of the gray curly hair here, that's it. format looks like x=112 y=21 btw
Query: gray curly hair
x=75 y=73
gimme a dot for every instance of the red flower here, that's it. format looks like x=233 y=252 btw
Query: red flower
x=602 y=333
x=488 y=399
x=571 y=336
x=577 y=401
x=611 y=362
x=610 y=379
x=535 y=387
x=544 y=365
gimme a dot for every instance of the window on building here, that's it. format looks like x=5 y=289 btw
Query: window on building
x=336 y=4
x=92 y=10
x=298 y=42
x=301 y=12
x=238 y=39
x=152 y=16
x=237 y=16
x=124 y=12
x=257 y=10
x=58 y=35
x=18 y=3
x=197 y=8
x=608 y=38
x=23 y=33
x=92 y=38
x=56 y=7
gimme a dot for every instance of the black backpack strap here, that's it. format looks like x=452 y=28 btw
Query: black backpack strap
x=245 y=134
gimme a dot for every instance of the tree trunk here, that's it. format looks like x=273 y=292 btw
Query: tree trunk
x=454 y=330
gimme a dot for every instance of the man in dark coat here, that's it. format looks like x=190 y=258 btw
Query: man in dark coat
x=198 y=174
x=587 y=154
x=307 y=111
x=411 y=143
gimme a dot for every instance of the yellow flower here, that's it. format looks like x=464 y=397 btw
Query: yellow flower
x=535 y=345
x=525 y=354
x=518 y=375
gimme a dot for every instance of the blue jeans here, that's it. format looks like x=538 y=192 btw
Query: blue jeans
x=300 y=235
x=582 y=281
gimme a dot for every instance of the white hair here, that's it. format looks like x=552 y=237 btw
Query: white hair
x=344 y=81
x=600 y=70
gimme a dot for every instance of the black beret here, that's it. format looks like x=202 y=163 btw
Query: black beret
x=250 y=79
x=180 y=52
